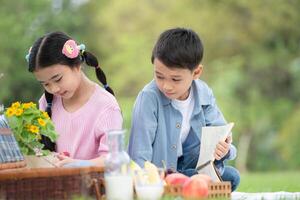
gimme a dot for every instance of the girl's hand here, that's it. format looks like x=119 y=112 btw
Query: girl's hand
x=66 y=161
x=222 y=148
x=63 y=160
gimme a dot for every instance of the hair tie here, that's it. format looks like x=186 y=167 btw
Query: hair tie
x=71 y=50
x=28 y=55
x=106 y=86
x=81 y=47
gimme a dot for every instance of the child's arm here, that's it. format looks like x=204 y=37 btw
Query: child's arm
x=65 y=161
x=214 y=117
x=143 y=129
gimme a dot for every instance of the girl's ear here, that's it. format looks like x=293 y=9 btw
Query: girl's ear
x=197 y=72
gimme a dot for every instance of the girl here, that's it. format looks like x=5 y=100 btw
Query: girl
x=81 y=110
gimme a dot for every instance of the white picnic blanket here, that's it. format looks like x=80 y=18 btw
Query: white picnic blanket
x=265 y=196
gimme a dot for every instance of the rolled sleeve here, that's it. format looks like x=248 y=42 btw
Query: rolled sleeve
x=232 y=153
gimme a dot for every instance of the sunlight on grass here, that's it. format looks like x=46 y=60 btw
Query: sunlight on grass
x=270 y=182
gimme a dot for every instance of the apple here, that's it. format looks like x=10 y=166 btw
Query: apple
x=176 y=179
x=195 y=188
x=204 y=177
x=65 y=153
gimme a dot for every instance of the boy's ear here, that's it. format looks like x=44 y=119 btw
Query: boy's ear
x=197 y=72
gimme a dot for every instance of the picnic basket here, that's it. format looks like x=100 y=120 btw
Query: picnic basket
x=18 y=181
x=215 y=190
x=51 y=183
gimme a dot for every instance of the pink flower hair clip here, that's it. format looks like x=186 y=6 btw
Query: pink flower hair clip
x=71 y=50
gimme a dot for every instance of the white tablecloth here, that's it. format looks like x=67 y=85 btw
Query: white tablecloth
x=265 y=196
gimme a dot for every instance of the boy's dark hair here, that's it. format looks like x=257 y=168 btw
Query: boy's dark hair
x=47 y=51
x=178 y=47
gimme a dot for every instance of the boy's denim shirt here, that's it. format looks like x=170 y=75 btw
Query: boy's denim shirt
x=156 y=125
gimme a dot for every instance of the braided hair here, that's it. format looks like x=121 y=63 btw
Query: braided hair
x=47 y=51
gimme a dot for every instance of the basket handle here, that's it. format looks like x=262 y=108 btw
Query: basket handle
x=98 y=184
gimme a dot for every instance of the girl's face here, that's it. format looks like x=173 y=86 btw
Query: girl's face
x=59 y=80
x=174 y=83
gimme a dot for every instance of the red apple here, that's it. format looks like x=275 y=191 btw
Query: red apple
x=65 y=153
x=204 y=177
x=176 y=179
x=195 y=188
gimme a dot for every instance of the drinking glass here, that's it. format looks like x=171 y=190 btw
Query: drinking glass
x=147 y=190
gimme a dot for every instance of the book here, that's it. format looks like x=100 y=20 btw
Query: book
x=211 y=136
x=10 y=153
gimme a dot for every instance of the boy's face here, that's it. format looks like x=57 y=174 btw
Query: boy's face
x=174 y=83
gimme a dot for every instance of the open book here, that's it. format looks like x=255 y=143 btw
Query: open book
x=211 y=136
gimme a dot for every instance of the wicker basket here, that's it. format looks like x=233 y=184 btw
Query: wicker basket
x=51 y=183
x=215 y=190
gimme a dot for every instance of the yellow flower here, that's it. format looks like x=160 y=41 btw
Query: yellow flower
x=10 y=112
x=41 y=122
x=27 y=105
x=33 y=105
x=34 y=129
x=45 y=114
x=16 y=105
x=19 y=112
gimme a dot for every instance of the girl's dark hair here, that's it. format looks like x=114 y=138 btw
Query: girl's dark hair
x=178 y=47
x=47 y=51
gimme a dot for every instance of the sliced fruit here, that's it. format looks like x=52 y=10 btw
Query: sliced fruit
x=152 y=171
x=134 y=166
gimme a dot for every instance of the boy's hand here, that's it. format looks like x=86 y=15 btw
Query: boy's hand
x=222 y=148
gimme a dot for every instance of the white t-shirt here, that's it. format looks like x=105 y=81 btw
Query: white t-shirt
x=186 y=108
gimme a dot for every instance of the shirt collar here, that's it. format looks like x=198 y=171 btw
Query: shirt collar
x=200 y=95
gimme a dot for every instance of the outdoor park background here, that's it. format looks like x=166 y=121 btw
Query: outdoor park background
x=251 y=61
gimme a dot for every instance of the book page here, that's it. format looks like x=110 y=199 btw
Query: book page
x=211 y=136
x=210 y=171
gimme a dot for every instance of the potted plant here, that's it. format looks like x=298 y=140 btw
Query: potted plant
x=28 y=124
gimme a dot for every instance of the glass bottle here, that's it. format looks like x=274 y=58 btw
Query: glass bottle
x=118 y=180
x=117 y=160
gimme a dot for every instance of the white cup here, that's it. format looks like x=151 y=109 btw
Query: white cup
x=146 y=190
x=118 y=187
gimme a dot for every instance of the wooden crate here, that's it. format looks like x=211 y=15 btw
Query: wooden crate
x=215 y=190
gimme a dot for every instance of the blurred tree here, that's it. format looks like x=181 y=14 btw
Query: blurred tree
x=251 y=58
x=23 y=23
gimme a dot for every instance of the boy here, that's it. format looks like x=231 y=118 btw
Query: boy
x=171 y=110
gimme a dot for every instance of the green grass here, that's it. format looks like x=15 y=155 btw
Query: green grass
x=270 y=182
